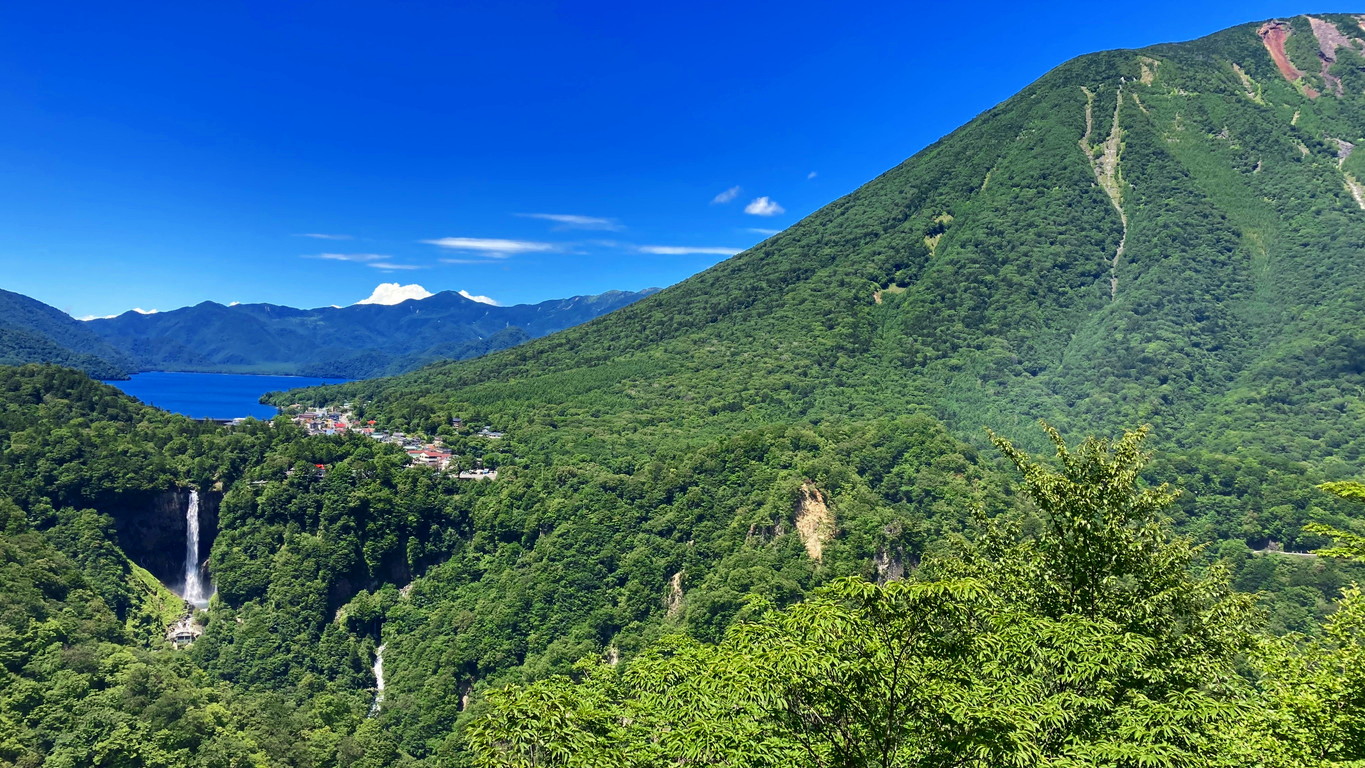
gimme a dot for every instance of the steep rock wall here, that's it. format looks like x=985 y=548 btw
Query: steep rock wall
x=151 y=529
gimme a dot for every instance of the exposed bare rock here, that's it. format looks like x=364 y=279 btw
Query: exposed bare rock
x=888 y=568
x=1104 y=159
x=758 y=535
x=1344 y=149
x=1149 y=66
x=1273 y=34
x=1356 y=190
x=814 y=521
x=1330 y=38
x=674 y=599
x=1249 y=86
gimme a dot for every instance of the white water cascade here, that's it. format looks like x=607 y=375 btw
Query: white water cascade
x=378 y=679
x=194 y=583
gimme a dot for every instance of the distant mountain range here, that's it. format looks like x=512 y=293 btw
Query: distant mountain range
x=359 y=341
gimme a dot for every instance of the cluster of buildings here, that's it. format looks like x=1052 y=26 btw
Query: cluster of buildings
x=319 y=421
x=421 y=453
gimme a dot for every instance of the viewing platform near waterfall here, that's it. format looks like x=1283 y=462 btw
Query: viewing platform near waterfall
x=184 y=632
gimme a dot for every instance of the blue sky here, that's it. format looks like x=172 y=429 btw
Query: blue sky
x=159 y=156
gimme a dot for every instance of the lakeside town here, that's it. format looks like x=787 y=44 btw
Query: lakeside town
x=421 y=450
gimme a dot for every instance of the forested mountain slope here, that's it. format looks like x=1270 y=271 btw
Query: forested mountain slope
x=33 y=332
x=277 y=678
x=1169 y=235
x=358 y=341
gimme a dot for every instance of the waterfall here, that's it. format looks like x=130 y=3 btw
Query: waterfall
x=378 y=679
x=194 y=584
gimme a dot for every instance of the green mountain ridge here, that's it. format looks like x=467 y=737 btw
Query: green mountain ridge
x=1168 y=235
x=33 y=332
x=1165 y=235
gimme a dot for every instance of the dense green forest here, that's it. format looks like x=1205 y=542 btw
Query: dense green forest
x=690 y=563
x=758 y=519
x=88 y=680
x=1091 y=641
x=1164 y=237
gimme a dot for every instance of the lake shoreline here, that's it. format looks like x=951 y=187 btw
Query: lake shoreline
x=217 y=396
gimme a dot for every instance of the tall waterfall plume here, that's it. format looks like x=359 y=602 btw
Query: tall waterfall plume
x=194 y=583
x=378 y=680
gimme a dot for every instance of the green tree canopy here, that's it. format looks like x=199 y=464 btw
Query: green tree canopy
x=1090 y=643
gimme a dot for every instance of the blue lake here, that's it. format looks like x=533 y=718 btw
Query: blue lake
x=212 y=395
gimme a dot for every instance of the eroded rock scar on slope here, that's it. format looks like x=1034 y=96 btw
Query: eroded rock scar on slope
x=814 y=521
x=1330 y=39
x=1249 y=86
x=1149 y=66
x=1104 y=160
x=674 y=599
x=1273 y=34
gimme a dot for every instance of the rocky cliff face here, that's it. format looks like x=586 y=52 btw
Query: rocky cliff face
x=152 y=529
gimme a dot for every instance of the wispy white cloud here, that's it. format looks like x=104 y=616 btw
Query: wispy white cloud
x=356 y=257
x=88 y=318
x=811 y=175
x=139 y=310
x=142 y=311
x=685 y=250
x=233 y=303
x=469 y=261
x=479 y=299
x=726 y=196
x=321 y=236
x=389 y=294
x=762 y=231
x=573 y=221
x=492 y=247
x=764 y=206
x=389 y=266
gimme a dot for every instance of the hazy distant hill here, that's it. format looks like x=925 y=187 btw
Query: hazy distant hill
x=33 y=332
x=358 y=341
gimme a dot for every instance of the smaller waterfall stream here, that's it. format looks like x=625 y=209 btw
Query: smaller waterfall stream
x=378 y=679
x=194 y=582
